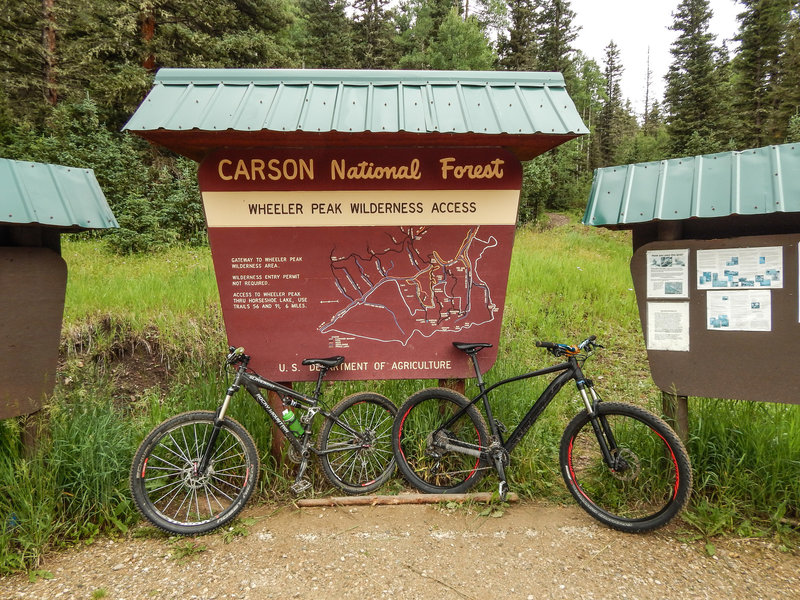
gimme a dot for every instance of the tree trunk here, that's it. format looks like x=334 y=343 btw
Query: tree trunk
x=49 y=46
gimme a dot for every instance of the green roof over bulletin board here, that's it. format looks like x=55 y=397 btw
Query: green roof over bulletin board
x=751 y=182
x=192 y=111
x=68 y=198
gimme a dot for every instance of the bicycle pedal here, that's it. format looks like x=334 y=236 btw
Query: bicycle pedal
x=298 y=487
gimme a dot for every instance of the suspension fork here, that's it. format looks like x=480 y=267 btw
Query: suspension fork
x=219 y=419
x=602 y=431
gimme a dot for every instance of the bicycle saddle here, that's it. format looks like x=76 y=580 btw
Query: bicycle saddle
x=328 y=363
x=470 y=348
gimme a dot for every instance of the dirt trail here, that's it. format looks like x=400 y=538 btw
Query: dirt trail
x=417 y=552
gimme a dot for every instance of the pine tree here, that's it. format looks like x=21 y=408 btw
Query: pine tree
x=460 y=44
x=787 y=89
x=608 y=133
x=556 y=34
x=762 y=35
x=373 y=34
x=693 y=90
x=327 y=41
x=518 y=48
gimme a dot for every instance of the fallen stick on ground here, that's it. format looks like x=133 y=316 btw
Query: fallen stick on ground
x=401 y=499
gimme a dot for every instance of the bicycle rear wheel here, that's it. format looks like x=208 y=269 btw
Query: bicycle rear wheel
x=650 y=479
x=358 y=463
x=165 y=484
x=436 y=460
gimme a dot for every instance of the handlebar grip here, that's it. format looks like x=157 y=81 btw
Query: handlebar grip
x=548 y=345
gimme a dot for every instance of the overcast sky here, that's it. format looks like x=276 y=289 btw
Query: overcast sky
x=635 y=26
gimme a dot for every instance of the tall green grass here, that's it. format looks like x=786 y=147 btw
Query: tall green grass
x=565 y=284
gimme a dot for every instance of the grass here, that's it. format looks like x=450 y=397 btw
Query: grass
x=163 y=311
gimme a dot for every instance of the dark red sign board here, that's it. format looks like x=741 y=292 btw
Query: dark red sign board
x=385 y=256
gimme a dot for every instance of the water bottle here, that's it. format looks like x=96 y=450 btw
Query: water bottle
x=292 y=423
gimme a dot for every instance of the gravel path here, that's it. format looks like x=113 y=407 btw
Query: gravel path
x=416 y=552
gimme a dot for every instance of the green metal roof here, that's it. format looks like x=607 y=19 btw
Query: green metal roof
x=194 y=110
x=52 y=195
x=750 y=182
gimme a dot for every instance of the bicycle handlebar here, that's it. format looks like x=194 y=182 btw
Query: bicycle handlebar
x=235 y=355
x=555 y=349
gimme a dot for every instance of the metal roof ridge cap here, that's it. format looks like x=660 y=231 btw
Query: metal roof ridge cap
x=182 y=76
x=777 y=179
x=697 y=181
x=661 y=189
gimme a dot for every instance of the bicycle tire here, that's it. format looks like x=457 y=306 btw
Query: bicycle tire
x=171 y=496
x=363 y=470
x=651 y=485
x=422 y=460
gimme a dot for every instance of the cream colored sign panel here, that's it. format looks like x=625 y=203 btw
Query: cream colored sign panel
x=356 y=208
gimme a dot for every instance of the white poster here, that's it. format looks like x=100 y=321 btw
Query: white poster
x=668 y=273
x=668 y=326
x=740 y=268
x=739 y=310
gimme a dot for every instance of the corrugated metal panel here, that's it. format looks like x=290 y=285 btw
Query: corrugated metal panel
x=358 y=101
x=52 y=195
x=750 y=182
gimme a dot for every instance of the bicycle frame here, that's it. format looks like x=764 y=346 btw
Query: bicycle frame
x=254 y=383
x=569 y=370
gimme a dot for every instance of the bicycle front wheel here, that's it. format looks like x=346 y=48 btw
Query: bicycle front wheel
x=649 y=479
x=166 y=486
x=355 y=445
x=433 y=454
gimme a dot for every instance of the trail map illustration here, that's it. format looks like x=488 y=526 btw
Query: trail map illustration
x=409 y=282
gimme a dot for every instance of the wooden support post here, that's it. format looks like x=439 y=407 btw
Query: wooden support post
x=676 y=411
x=278 y=439
x=457 y=385
x=31 y=432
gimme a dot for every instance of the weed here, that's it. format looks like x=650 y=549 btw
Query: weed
x=99 y=593
x=239 y=528
x=185 y=549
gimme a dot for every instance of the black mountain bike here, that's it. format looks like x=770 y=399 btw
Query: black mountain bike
x=624 y=465
x=195 y=471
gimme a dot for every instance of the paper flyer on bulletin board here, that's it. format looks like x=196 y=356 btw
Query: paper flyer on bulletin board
x=740 y=268
x=668 y=326
x=739 y=310
x=668 y=273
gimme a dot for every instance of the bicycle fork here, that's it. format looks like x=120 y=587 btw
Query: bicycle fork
x=602 y=430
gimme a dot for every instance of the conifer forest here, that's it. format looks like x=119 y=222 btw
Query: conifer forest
x=74 y=71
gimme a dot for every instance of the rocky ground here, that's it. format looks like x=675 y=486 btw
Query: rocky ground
x=527 y=551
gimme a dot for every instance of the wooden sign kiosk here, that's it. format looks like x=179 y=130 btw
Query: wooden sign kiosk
x=715 y=268
x=39 y=202
x=363 y=213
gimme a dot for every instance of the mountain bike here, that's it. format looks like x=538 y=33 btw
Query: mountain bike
x=195 y=471
x=624 y=465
